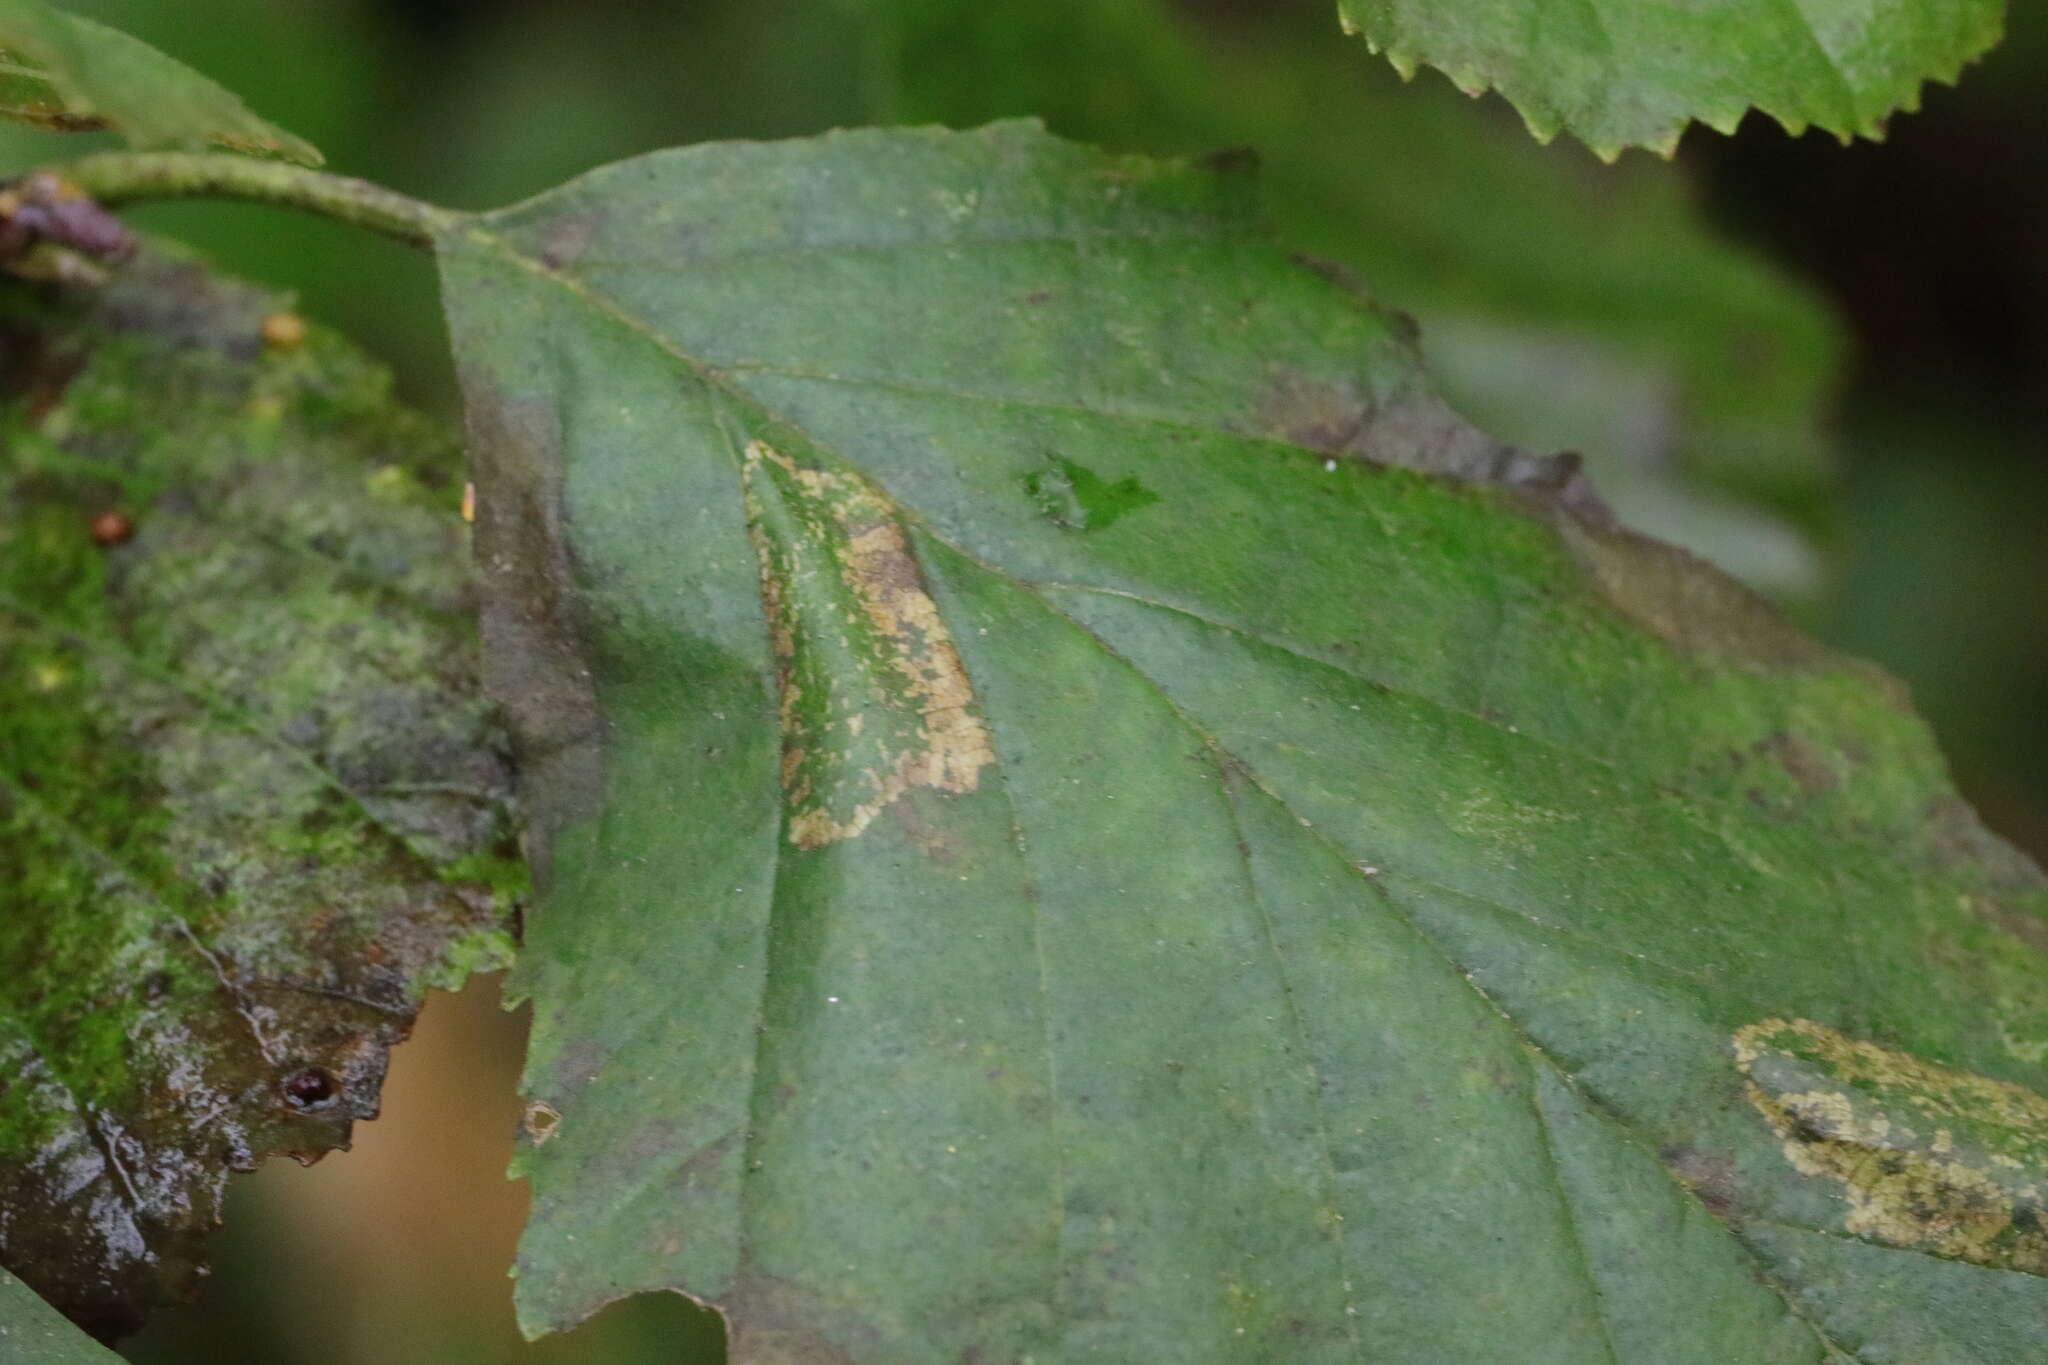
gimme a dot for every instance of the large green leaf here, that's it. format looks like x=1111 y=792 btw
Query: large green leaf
x=1055 y=845
x=58 y=70
x=252 y=804
x=33 y=1333
x=1624 y=73
x=1564 y=305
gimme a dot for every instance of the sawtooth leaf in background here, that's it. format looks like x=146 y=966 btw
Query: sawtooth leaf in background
x=1564 y=305
x=1081 y=815
x=1619 y=73
x=66 y=72
x=252 y=802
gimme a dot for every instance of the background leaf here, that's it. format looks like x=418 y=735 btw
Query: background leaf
x=1564 y=305
x=1619 y=74
x=62 y=71
x=252 y=805
x=1324 y=905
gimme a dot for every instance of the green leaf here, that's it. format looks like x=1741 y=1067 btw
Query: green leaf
x=33 y=1333
x=60 y=71
x=1618 y=73
x=252 y=804
x=1329 y=910
x=1564 y=305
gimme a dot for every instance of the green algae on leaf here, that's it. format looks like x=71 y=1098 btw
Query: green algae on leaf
x=1564 y=304
x=1077 y=499
x=1621 y=73
x=1338 y=938
x=61 y=71
x=252 y=804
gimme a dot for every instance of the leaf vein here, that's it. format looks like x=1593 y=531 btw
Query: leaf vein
x=1379 y=889
x=1325 y=1148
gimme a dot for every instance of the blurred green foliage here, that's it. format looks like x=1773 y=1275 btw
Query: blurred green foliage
x=65 y=71
x=1711 y=334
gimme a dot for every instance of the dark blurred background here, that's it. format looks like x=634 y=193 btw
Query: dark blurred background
x=1826 y=368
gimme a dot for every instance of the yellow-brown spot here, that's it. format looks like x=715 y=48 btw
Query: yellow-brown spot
x=873 y=698
x=284 y=331
x=1927 y=1157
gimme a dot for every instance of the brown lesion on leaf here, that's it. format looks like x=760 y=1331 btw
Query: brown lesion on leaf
x=1711 y=1178
x=1926 y=1157
x=1675 y=595
x=874 y=700
x=1803 y=761
x=1417 y=430
x=1780 y=772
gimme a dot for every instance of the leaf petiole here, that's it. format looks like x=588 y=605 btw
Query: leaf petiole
x=114 y=178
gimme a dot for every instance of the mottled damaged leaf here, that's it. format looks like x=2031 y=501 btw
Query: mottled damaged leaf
x=1624 y=73
x=252 y=804
x=1564 y=305
x=61 y=71
x=1326 y=910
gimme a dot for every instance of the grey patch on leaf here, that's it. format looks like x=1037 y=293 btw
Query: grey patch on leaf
x=532 y=642
x=175 y=298
x=1695 y=607
x=775 y=1322
x=568 y=237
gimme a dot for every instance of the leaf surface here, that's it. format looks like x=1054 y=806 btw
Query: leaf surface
x=62 y=71
x=1083 y=816
x=33 y=1333
x=252 y=803
x=1618 y=73
x=1564 y=305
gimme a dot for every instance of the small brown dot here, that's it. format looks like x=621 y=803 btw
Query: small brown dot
x=309 y=1088
x=284 y=331
x=112 y=528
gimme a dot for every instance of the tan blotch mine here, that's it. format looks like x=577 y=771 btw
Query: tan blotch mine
x=874 y=700
x=1927 y=1157
x=540 y=1122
